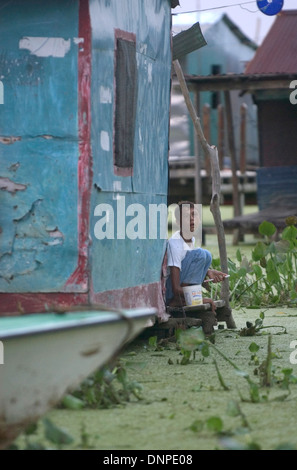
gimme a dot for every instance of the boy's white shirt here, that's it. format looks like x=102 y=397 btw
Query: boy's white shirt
x=177 y=249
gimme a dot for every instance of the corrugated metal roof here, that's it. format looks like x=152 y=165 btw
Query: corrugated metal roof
x=278 y=52
x=188 y=41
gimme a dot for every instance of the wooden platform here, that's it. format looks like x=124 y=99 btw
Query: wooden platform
x=250 y=223
x=183 y=175
x=187 y=317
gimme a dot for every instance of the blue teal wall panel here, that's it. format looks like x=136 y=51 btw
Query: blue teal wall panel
x=39 y=142
x=119 y=264
x=150 y=23
x=38 y=145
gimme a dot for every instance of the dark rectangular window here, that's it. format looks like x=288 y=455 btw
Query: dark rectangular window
x=215 y=96
x=125 y=103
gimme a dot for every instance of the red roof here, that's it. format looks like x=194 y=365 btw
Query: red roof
x=278 y=52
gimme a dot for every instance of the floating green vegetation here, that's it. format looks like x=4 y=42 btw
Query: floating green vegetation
x=106 y=388
x=269 y=278
x=193 y=340
x=54 y=437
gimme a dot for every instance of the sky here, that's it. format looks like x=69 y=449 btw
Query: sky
x=244 y=13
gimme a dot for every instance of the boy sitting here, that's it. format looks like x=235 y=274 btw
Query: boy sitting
x=187 y=265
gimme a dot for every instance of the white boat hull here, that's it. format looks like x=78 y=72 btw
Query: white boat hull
x=42 y=363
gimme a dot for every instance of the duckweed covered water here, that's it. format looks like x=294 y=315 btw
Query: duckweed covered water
x=178 y=401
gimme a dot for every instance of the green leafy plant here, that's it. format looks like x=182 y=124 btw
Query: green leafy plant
x=213 y=424
x=105 y=388
x=256 y=328
x=53 y=436
x=269 y=278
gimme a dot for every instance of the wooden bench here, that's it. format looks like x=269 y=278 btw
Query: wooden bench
x=205 y=315
x=193 y=316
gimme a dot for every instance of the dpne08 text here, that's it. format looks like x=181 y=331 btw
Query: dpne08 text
x=149 y=459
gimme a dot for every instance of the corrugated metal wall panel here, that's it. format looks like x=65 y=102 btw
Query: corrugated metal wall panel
x=115 y=263
x=151 y=25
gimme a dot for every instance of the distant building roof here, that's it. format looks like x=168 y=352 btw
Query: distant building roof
x=278 y=52
x=238 y=33
x=206 y=28
x=174 y=3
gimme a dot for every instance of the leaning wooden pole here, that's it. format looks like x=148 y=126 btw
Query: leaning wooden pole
x=211 y=152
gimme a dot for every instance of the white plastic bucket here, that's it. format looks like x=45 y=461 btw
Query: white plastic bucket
x=193 y=295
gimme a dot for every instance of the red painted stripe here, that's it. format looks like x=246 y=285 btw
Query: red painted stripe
x=79 y=280
x=144 y=295
x=17 y=304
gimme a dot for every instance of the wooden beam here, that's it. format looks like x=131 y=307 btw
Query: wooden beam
x=242 y=82
x=198 y=179
x=207 y=133
x=212 y=152
x=221 y=135
x=243 y=114
x=232 y=150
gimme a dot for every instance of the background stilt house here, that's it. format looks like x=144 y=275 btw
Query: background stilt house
x=227 y=52
x=275 y=64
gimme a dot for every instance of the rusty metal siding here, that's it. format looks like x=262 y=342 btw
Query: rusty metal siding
x=278 y=52
x=277 y=132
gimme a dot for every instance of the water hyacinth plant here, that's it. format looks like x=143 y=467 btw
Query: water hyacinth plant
x=269 y=278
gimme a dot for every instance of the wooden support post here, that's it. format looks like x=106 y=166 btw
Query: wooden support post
x=198 y=179
x=212 y=153
x=231 y=139
x=242 y=159
x=207 y=133
x=232 y=151
x=221 y=135
x=243 y=113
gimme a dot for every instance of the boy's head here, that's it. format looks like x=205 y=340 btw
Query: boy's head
x=188 y=217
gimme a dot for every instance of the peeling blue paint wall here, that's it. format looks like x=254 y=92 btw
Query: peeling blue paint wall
x=38 y=144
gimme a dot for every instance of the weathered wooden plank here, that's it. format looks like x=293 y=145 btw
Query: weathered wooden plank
x=243 y=82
